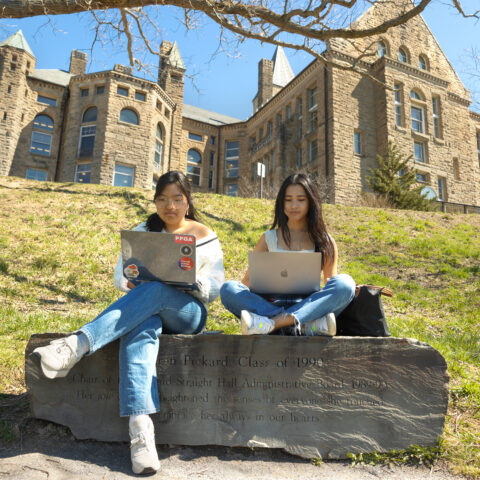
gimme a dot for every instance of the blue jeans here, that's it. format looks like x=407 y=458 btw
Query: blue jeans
x=333 y=297
x=138 y=318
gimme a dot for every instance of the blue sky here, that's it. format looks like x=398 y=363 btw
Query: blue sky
x=224 y=83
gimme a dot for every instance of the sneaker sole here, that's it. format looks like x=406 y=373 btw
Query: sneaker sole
x=146 y=471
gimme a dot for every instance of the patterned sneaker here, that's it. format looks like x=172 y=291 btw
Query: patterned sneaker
x=253 y=324
x=321 y=326
x=142 y=448
x=57 y=358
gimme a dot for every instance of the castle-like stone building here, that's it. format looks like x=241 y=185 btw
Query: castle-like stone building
x=111 y=127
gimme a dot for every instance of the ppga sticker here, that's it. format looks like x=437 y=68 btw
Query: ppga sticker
x=131 y=271
x=185 y=263
x=190 y=239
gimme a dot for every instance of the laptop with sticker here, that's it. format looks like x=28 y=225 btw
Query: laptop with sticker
x=168 y=257
x=284 y=272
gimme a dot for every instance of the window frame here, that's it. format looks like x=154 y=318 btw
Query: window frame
x=126 y=120
x=195 y=136
x=195 y=173
x=122 y=91
x=36 y=170
x=358 y=148
x=123 y=174
x=140 y=96
x=80 y=150
x=423 y=149
x=312 y=108
x=436 y=117
x=79 y=172
x=231 y=171
x=442 y=189
x=398 y=104
x=46 y=100
x=37 y=150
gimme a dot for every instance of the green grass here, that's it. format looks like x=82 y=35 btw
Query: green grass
x=59 y=244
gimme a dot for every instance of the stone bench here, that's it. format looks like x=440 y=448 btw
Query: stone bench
x=312 y=396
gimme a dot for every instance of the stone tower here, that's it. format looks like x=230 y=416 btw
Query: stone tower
x=171 y=73
x=273 y=75
x=78 y=62
x=16 y=62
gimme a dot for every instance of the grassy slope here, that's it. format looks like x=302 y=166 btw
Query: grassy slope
x=59 y=244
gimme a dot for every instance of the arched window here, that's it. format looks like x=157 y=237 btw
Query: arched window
x=382 y=49
x=43 y=122
x=194 y=169
x=90 y=115
x=157 y=161
x=86 y=141
x=129 y=116
x=428 y=192
x=422 y=62
x=402 y=55
x=41 y=142
x=416 y=95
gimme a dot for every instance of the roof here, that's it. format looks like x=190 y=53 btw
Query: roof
x=175 y=58
x=17 y=40
x=58 y=77
x=205 y=116
x=282 y=72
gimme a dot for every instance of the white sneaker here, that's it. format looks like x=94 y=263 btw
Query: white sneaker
x=57 y=358
x=142 y=448
x=321 y=326
x=253 y=324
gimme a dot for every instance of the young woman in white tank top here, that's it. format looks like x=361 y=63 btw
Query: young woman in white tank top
x=297 y=226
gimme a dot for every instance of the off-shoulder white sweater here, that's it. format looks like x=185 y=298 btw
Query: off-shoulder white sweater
x=209 y=264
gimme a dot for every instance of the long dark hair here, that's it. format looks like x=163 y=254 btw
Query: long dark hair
x=317 y=229
x=154 y=222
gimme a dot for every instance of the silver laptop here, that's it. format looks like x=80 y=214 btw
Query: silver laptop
x=168 y=257
x=284 y=272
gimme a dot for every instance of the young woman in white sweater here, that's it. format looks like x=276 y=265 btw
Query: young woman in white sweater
x=145 y=312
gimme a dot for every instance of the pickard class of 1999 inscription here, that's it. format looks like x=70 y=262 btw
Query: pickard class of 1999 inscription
x=312 y=396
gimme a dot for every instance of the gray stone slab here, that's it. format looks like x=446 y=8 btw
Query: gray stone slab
x=312 y=396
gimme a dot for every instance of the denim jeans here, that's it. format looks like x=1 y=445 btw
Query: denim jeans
x=137 y=319
x=333 y=297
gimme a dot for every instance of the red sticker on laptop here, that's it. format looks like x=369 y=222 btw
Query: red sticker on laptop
x=131 y=271
x=185 y=263
x=190 y=239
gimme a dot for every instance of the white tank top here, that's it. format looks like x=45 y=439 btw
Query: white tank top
x=272 y=242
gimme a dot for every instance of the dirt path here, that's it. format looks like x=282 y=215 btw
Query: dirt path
x=43 y=450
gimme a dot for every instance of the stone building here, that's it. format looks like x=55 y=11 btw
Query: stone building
x=111 y=127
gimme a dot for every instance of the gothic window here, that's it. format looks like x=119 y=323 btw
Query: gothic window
x=194 y=167
x=41 y=141
x=382 y=49
x=422 y=62
x=402 y=55
x=87 y=133
x=398 y=90
x=157 y=160
x=437 y=131
x=128 y=116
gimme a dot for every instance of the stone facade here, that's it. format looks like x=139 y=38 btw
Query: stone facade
x=326 y=121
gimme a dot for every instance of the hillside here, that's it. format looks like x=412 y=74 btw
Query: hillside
x=59 y=244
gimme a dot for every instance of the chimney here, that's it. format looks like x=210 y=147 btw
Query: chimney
x=78 y=62
x=265 y=81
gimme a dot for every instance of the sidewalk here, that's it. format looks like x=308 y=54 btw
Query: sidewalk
x=43 y=450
